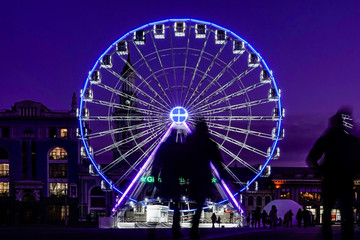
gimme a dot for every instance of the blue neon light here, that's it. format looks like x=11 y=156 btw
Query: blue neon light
x=178 y=115
x=161 y=22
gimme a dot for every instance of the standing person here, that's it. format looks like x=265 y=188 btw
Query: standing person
x=248 y=220
x=219 y=220
x=338 y=161
x=168 y=165
x=213 y=219
x=201 y=150
x=273 y=217
x=299 y=215
x=264 y=217
x=286 y=219
x=306 y=217
x=257 y=216
x=290 y=218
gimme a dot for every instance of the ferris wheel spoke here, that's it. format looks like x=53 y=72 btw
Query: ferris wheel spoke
x=206 y=73
x=239 y=130
x=228 y=97
x=162 y=66
x=237 y=158
x=132 y=127
x=157 y=95
x=197 y=65
x=124 y=107
x=133 y=86
x=233 y=107
x=173 y=63
x=132 y=118
x=141 y=158
x=223 y=87
x=238 y=118
x=185 y=64
x=227 y=169
x=238 y=143
x=152 y=73
x=133 y=150
x=131 y=97
x=127 y=140
x=218 y=76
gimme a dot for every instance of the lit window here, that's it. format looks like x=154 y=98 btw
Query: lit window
x=57 y=189
x=4 y=188
x=58 y=153
x=4 y=170
x=63 y=133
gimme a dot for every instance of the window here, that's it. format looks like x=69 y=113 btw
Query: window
x=4 y=189
x=5 y=132
x=58 y=153
x=3 y=153
x=52 y=132
x=57 y=170
x=250 y=201
x=267 y=199
x=259 y=201
x=97 y=198
x=63 y=133
x=4 y=170
x=57 y=189
x=285 y=194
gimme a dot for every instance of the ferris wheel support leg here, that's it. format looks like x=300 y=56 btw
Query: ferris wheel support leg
x=227 y=190
x=141 y=171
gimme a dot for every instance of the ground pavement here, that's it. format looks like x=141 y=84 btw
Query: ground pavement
x=83 y=233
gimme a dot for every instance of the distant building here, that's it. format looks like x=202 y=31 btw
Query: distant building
x=39 y=164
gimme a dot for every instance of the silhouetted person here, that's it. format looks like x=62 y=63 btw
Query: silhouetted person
x=299 y=218
x=264 y=217
x=273 y=216
x=219 y=220
x=168 y=164
x=257 y=216
x=306 y=217
x=337 y=174
x=213 y=219
x=248 y=219
x=201 y=150
x=290 y=218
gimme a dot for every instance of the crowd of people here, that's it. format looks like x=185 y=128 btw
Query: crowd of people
x=258 y=219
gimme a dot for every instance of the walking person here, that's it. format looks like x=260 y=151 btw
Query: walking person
x=201 y=150
x=168 y=165
x=290 y=218
x=248 y=218
x=213 y=220
x=339 y=148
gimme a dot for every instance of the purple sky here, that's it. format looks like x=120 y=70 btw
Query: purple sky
x=48 y=47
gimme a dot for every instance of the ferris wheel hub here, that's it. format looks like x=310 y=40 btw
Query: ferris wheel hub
x=179 y=115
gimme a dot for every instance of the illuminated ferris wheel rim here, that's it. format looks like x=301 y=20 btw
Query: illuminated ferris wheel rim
x=278 y=132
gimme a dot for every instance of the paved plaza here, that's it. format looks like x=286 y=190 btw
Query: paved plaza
x=84 y=233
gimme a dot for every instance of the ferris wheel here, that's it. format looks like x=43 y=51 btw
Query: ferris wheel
x=168 y=74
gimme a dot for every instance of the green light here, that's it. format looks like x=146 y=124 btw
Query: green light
x=214 y=180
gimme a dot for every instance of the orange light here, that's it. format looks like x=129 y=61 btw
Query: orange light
x=277 y=186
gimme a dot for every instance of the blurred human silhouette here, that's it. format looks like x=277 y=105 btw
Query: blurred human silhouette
x=201 y=150
x=337 y=168
x=168 y=165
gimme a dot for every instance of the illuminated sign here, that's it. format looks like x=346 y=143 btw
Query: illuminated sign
x=151 y=179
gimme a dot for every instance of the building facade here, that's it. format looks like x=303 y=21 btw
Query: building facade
x=39 y=164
